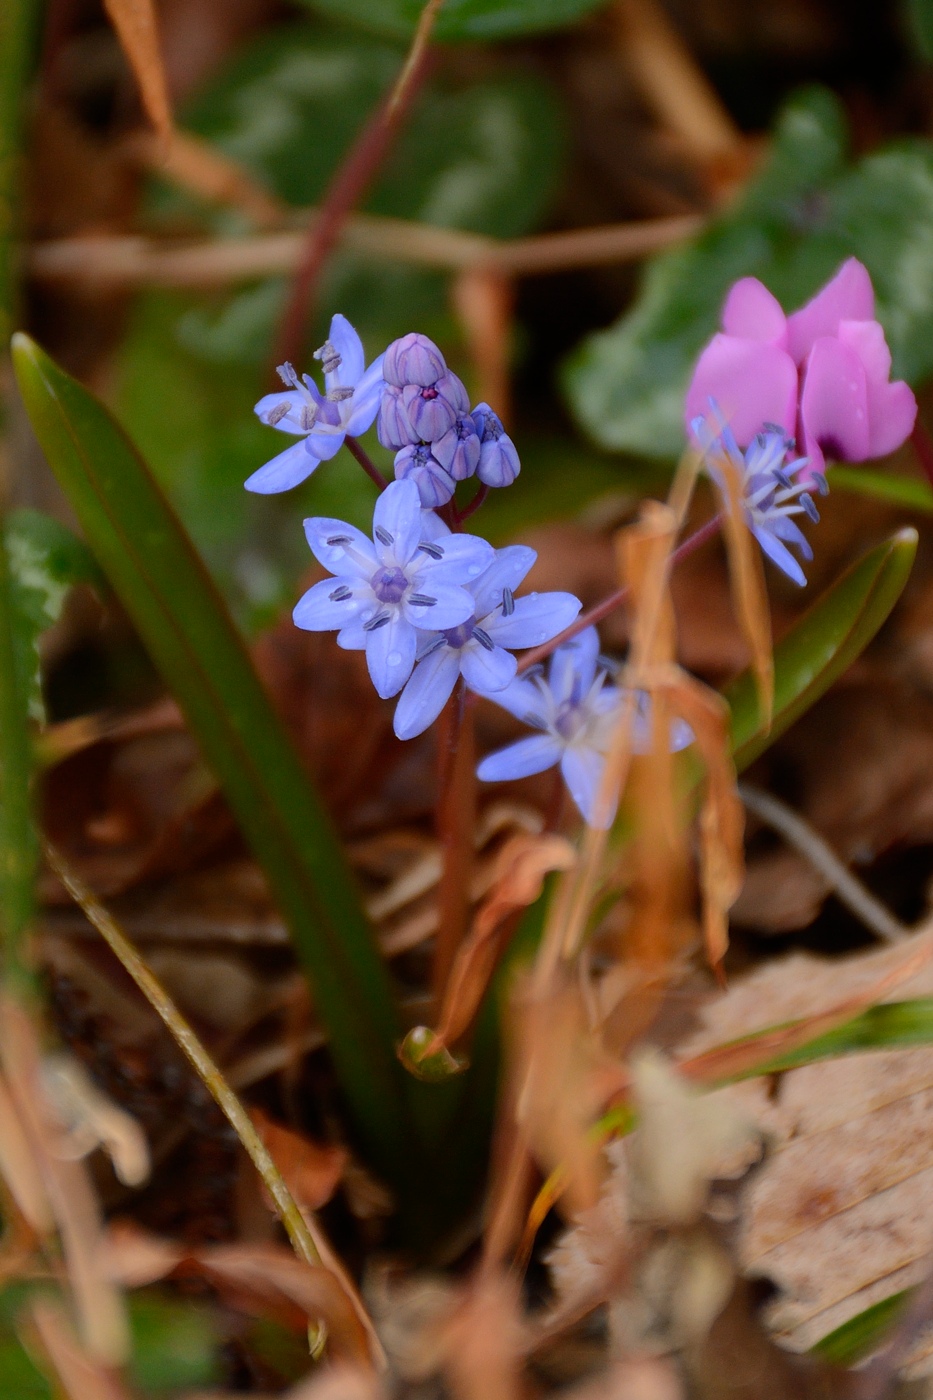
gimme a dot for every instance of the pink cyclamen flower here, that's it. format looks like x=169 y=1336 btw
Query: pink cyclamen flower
x=822 y=373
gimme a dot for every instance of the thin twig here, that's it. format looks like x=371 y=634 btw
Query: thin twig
x=615 y=600
x=105 y=261
x=365 y=461
x=297 y=1227
x=351 y=181
x=848 y=889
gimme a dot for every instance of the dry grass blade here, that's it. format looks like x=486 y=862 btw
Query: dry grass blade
x=98 y=1303
x=484 y=300
x=202 y=169
x=137 y=29
x=747 y=578
x=484 y=1342
x=745 y=1056
x=722 y=821
x=20 y=1168
x=79 y=1375
x=301 y=1231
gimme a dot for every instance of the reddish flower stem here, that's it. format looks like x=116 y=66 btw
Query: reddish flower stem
x=365 y=461
x=473 y=505
x=456 y=820
x=351 y=181
x=922 y=444
x=615 y=600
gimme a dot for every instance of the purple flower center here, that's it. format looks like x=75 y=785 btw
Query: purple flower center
x=389 y=585
x=459 y=636
x=567 y=719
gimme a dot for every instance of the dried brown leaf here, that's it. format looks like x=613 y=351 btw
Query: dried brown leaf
x=840 y=1215
x=484 y=1341
x=137 y=29
x=312 y=1170
x=203 y=169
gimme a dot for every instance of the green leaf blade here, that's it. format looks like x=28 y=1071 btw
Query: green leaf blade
x=822 y=644
x=165 y=588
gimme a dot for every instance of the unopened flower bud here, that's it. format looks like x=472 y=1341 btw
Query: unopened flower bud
x=393 y=427
x=416 y=463
x=413 y=359
x=458 y=450
x=434 y=408
x=498 y=458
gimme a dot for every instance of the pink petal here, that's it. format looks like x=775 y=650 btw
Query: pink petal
x=892 y=408
x=751 y=384
x=848 y=297
x=752 y=313
x=834 y=402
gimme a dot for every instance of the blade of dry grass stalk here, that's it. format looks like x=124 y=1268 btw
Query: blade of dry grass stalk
x=747 y=580
x=138 y=32
x=79 y=1375
x=302 y=1232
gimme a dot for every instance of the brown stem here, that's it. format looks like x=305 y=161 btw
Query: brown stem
x=456 y=813
x=614 y=600
x=349 y=184
x=365 y=461
x=922 y=444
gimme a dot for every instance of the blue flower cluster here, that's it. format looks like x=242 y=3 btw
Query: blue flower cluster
x=772 y=496
x=431 y=605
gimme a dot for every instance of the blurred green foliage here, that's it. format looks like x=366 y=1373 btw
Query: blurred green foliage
x=45 y=559
x=806 y=212
x=459 y=19
x=177 y=1344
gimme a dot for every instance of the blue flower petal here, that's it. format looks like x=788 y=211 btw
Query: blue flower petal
x=367 y=396
x=290 y=422
x=523 y=699
x=341 y=548
x=390 y=655
x=582 y=771
x=427 y=692
x=452 y=605
x=349 y=347
x=573 y=666
x=286 y=470
x=325 y=442
x=535 y=619
x=487 y=671
x=465 y=558
x=319 y=610
x=779 y=554
x=398 y=516
x=508 y=570
x=521 y=760
x=353 y=637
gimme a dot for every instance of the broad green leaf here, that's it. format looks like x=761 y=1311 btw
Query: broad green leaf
x=797 y=221
x=458 y=19
x=164 y=587
x=45 y=560
x=822 y=644
x=909 y=491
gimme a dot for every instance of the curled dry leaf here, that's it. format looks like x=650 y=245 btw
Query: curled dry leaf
x=79 y=1375
x=92 y=1120
x=839 y=1217
x=137 y=29
x=265 y=1279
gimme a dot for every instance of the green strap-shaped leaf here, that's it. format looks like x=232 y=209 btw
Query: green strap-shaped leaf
x=822 y=644
x=166 y=590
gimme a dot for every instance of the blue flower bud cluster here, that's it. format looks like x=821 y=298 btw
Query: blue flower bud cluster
x=425 y=418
